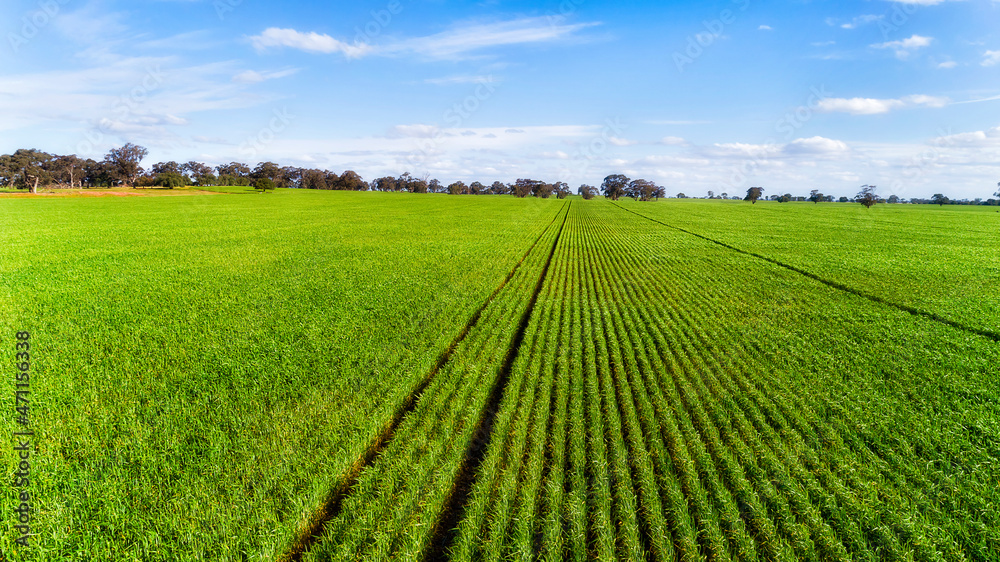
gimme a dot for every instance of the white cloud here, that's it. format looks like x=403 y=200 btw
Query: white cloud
x=818 y=146
x=310 y=42
x=254 y=77
x=456 y=43
x=765 y=28
x=973 y=139
x=926 y=101
x=905 y=47
x=872 y=106
x=462 y=40
x=991 y=58
x=673 y=141
x=947 y=64
x=418 y=131
x=860 y=20
x=674 y=122
x=618 y=141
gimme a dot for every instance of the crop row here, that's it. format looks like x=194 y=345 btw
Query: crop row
x=657 y=421
x=393 y=510
x=667 y=398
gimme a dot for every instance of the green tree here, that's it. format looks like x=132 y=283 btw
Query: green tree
x=867 y=196
x=753 y=194
x=939 y=199
x=263 y=185
x=126 y=162
x=614 y=186
x=524 y=187
x=499 y=188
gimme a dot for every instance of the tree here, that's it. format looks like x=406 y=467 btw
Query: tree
x=753 y=194
x=815 y=196
x=199 y=173
x=893 y=199
x=642 y=190
x=681 y=196
x=387 y=183
x=316 y=179
x=997 y=194
x=562 y=189
x=267 y=170
x=234 y=173
x=588 y=192
x=263 y=185
x=170 y=180
x=939 y=199
x=867 y=196
x=415 y=185
x=542 y=190
x=499 y=188
x=785 y=198
x=351 y=181
x=30 y=169
x=458 y=188
x=614 y=186
x=68 y=169
x=126 y=162
x=477 y=188
x=524 y=187
x=844 y=200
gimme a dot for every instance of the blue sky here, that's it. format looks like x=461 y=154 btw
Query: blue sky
x=702 y=96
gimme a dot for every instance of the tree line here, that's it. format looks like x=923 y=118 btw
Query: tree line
x=867 y=196
x=122 y=167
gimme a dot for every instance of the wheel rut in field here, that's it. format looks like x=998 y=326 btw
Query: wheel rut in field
x=475 y=453
x=830 y=283
x=332 y=506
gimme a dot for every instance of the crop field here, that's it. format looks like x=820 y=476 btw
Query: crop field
x=342 y=376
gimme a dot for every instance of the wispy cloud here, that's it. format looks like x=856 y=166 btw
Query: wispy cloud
x=458 y=42
x=873 y=106
x=861 y=20
x=765 y=28
x=991 y=58
x=311 y=42
x=254 y=77
x=905 y=47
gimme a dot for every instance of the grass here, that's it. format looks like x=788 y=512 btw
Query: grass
x=633 y=390
x=207 y=367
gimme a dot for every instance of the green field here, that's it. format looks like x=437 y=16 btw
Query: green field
x=358 y=376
